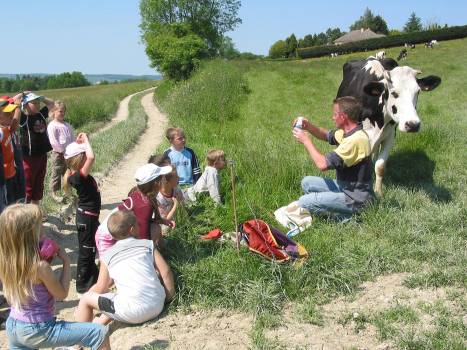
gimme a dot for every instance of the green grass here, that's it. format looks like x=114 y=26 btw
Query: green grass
x=418 y=226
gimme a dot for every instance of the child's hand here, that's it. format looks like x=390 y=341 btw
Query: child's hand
x=79 y=138
x=169 y=223
x=62 y=255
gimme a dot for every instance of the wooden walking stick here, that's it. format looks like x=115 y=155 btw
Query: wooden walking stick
x=234 y=202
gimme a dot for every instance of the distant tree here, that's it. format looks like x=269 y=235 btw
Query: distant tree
x=320 y=39
x=278 y=50
x=291 y=45
x=431 y=24
x=368 y=20
x=395 y=32
x=227 y=49
x=307 y=41
x=175 y=50
x=414 y=24
x=332 y=34
x=249 y=56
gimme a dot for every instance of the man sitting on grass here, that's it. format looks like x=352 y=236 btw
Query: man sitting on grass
x=352 y=190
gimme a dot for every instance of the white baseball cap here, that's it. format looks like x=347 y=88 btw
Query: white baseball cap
x=149 y=172
x=73 y=149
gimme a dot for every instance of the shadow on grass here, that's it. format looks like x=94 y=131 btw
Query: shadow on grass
x=414 y=170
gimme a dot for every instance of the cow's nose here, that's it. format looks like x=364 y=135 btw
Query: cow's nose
x=412 y=126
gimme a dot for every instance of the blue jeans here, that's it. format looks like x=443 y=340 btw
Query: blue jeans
x=24 y=335
x=325 y=196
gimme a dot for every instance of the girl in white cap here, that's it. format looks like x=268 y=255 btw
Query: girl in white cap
x=79 y=158
x=141 y=201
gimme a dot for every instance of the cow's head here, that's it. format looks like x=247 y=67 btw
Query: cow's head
x=398 y=91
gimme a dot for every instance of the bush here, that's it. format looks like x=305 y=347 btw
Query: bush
x=215 y=92
x=384 y=42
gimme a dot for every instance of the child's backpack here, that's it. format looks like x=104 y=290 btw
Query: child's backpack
x=270 y=242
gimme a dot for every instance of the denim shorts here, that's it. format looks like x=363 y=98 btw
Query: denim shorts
x=53 y=333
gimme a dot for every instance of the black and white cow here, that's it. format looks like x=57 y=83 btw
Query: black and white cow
x=402 y=54
x=389 y=95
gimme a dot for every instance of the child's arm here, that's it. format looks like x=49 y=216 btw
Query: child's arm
x=48 y=102
x=212 y=182
x=58 y=288
x=86 y=169
x=166 y=275
x=103 y=281
x=172 y=211
x=195 y=168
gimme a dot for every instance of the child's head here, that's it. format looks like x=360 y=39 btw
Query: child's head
x=57 y=112
x=171 y=179
x=122 y=224
x=6 y=110
x=216 y=159
x=160 y=159
x=75 y=155
x=148 y=178
x=176 y=137
x=20 y=227
x=31 y=103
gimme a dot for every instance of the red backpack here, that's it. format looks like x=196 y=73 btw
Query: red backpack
x=270 y=242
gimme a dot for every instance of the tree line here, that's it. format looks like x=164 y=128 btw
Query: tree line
x=34 y=82
x=288 y=47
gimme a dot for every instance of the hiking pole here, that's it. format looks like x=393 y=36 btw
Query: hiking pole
x=234 y=202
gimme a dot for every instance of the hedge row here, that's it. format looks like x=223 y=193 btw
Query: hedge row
x=383 y=42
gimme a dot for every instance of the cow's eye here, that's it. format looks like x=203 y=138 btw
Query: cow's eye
x=394 y=109
x=394 y=94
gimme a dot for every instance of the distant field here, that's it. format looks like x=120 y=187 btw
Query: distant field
x=419 y=226
x=90 y=107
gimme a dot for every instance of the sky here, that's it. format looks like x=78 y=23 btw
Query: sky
x=103 y=36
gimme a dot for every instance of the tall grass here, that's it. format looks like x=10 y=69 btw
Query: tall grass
x=419 y=225
x=90 y=107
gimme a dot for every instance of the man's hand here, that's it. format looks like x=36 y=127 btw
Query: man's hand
x=305 y=123
x=301 y=136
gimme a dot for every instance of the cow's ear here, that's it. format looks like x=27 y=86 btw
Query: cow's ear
x=389 y=63
x=374 y=88
x=429 y=83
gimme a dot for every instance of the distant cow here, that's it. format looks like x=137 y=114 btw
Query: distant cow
x=434 y=42
x=380 y=55
x=402 y=55
x=389 y=95
x=407 y=45
x=334 y=54
x=429 y=45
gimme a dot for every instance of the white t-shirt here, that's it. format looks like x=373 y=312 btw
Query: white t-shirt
x=208 y=182
x=140 y=294
x=165 y=204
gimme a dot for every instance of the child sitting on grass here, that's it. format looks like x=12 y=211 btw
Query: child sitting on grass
x=143 y=279
x=182 y=157
x=31 y=287
x=141 y=201
x=209 y=181
x=170 y=196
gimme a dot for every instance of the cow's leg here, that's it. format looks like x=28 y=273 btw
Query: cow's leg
x=380 y=164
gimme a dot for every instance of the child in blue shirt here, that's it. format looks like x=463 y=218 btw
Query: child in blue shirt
x=182 y=157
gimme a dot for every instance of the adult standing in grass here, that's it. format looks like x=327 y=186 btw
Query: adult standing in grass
x=34 y=143
x=352 y=190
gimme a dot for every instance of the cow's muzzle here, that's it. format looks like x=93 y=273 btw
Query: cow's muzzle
x=412 y=126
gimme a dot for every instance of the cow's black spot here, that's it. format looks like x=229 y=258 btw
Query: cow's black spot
x=394 y=109
x=385 y=95
x=394 y=94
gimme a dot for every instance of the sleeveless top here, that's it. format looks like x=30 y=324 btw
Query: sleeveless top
x=40 y=308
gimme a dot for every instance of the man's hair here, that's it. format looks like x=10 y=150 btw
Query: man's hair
x=214 y=155
x=160 y=159
x=172 y=132
x=120 y=223
x=350 y=106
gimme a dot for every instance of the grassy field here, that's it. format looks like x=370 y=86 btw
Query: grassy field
x=246 y=108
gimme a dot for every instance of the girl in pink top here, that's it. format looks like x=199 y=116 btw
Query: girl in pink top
x=60 y=135
x=141 y=202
